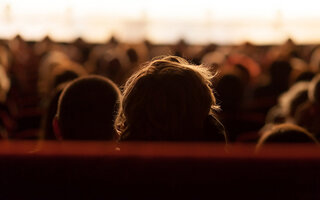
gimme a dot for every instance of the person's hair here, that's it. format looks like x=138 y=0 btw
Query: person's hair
x=286 y=133
x=50 y=113
x=280 y=72
x=275 y=115
x=133 y=55
x=304 y=76
x=230 y=90
x=5 y=84
x=87 y=108
x=167 y=99
x=293 y=98
x=64 y=77
x=314 y=90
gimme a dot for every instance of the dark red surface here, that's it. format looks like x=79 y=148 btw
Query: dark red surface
x=104 y=170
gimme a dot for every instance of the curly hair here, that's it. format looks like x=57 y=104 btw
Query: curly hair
x=167 y=99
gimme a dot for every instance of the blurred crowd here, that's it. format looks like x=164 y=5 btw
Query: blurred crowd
x=261 y=90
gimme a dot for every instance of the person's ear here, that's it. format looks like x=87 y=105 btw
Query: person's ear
x=56 y=128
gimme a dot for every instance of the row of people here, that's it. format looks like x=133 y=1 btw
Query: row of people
x=168 y=99
x=241 y=88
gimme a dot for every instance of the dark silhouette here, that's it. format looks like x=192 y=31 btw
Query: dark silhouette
x=50 y=113
x=286 y=133
x=169 y=100
x=266 y=95
x=308 y=114
x=86 y=109
x=293 y=98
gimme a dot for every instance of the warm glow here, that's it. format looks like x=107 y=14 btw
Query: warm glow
x=165 y=21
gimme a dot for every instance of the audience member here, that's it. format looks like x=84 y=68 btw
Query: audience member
x=169 y=100
x=266 y=95
x=286 y=133
x=50 y=111
x=4 y=88
x=245 y=106
x=86 y=109
x=308 y=114
x=293 y=98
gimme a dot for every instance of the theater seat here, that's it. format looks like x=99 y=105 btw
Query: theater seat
x=107 y=170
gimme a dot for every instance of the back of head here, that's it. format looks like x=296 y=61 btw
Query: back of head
x=230 y=89
x=63 y=77
x=66 y=72
x=314 y=90
x=5 y=84
x=293 y=98
x=305 y=76
x=111 y=64
x=280 y=72
x=286 y=133
x=87 y=107
x=168 y=99
x=280 y=68
x=50 y=113
x=133 y=55
x=243 y=73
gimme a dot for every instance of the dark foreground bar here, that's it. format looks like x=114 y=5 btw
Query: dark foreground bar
x=102 y=170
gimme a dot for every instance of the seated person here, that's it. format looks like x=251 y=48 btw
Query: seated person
x=47 y=131
x=86 y=109
x=308 y=114
x=5 y=118
x=286 y=133
x=59 y=78
x=169 y=100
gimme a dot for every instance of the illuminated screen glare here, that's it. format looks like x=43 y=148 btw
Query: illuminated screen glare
x=163 y=21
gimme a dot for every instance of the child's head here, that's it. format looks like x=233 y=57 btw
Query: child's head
x=86 y=109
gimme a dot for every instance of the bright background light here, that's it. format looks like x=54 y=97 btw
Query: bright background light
x=163 y=21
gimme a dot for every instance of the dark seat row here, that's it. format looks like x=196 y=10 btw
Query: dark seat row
x=105 y=170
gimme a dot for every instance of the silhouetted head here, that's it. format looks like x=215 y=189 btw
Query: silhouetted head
x=294 y=97
x=86 y=109
x=50 y=113
x=243 y=72
x=63 y=77
x=305 y=76
x=168 y=99
x=280 y=72
x=314 y=90
x=109 y=65
x=286 y=133
x=5 y=57
x=133 y=55
x=230 y=89
x=5 y=84
x=275 y=115
x=56 y=68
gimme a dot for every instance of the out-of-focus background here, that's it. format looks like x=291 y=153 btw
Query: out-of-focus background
x=267 y=55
